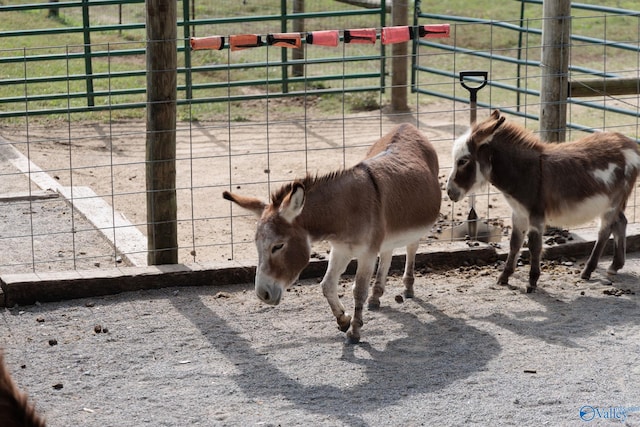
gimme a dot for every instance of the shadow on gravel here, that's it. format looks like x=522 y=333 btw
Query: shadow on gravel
x=559 y=322
x=430 y=355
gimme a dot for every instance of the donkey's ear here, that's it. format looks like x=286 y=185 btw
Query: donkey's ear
x=293 y=202
x=499 y=118
x=249 y=203
x=483 y=132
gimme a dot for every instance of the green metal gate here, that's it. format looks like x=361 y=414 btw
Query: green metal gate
x=80 y=61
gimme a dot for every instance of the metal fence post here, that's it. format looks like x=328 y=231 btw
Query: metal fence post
x=86 y=26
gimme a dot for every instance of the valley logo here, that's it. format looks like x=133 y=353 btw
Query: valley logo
x=590 y=413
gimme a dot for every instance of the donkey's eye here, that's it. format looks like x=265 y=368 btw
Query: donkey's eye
x=276 y=248
x=462 y=162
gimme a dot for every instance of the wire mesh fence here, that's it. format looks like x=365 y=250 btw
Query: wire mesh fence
x=74 y=194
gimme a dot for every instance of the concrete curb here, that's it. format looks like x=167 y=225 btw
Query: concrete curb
x=113 y=225
x=29 y=288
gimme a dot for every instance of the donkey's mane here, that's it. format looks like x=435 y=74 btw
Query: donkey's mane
x=521 y=136
x=308 y=181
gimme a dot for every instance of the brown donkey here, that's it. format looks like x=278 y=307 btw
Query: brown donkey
x=388 y=200
x=549 y=184
x=15 y=409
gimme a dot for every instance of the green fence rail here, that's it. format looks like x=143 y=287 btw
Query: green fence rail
x=204 y=77
x=90 y=76
x=525 y=29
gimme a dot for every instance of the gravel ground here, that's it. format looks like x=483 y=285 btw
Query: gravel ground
x=48 y=235
x=464 y=351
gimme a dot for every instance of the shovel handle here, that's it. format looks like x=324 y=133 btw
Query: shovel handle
x=473 y=90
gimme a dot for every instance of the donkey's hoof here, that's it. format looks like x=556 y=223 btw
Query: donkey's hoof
x=531 y=289
x=586 y=275
x=408 y=293
x=373 y=305
x=344 y=322
x=503 y=281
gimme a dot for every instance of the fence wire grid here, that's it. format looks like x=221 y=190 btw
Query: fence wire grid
x=73 y=185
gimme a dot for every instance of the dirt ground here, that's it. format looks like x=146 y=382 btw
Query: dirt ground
x=462 y=352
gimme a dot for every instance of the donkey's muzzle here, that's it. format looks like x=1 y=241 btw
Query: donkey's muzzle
x=454 y=193
x=269 y=293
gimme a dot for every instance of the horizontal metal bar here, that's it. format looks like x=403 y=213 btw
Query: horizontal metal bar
x=195 y=87
x=142 y=51
x=592 y=7
x=72 y=110
x=135 y=105
x=276 y=95
x=222 y=85
x=492 y=83
x=602 y=107
x=72 y=95
x=62 y=5
x=72 y=77
x=289 y=17
x=70 y=30
x=70 y=56
x=194 y=22
x=181 y=70
x=536 y=31
x=526 y=115
x=492 y=56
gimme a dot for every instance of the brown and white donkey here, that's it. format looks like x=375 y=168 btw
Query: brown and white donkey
x=564 y=184
x=388 y=200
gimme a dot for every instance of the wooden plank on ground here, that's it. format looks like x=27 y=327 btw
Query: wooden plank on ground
x=26 y=196
x=29 y=288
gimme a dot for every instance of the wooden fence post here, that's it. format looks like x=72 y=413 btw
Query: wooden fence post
x=556 y=32
x=298 y=27
x=399 y=60
x=54 y=12
x=162 y=226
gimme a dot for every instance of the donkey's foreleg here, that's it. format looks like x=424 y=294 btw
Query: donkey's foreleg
x=515 y=243
x=338 y=260
x=535 y=251
x=366 y=264
x=409 y=266
x=619 y=230
x=381 y=280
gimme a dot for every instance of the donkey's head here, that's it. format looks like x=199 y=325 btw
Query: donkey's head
x=283 y=245
x=471 y=158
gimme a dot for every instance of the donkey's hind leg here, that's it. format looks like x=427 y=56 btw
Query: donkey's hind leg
x=535 y=252
x=607 y=223
x=409 y=266
x=619 y=231
x=381 y=279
